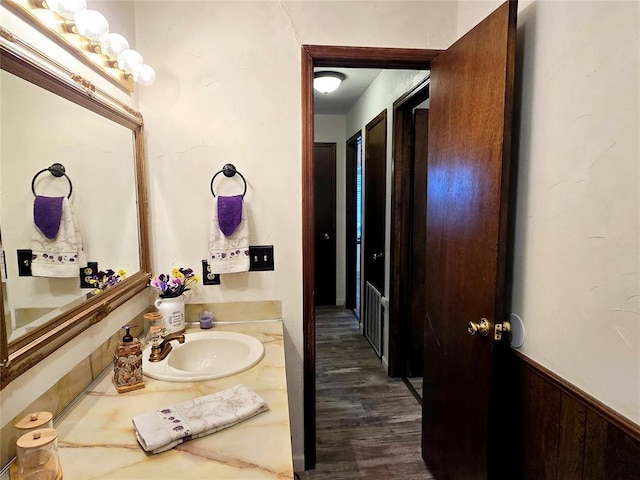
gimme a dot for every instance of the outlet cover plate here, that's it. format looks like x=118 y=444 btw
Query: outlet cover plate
x=261 y=258
x=209 y=278
x=86 y=273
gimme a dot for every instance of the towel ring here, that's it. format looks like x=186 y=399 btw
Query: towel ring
x=229 y=171
x=57 y=170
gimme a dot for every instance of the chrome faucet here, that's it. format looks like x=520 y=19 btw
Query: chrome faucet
x=160 y=349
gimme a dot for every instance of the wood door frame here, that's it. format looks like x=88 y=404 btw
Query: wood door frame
x=329 y=56
x=401 y=199
x=351 y=179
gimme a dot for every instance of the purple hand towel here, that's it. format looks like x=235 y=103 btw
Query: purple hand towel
x=47 y=213
x=229 y=213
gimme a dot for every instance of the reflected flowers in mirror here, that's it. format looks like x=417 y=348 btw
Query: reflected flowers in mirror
x=175 y=284
x=102 y=280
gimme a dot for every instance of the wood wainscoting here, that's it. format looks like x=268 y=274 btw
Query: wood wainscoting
x=560 y=432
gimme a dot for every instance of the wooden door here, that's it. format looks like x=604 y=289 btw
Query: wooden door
x=324 y=175
x=351 y=237
x=418 y=233
x=467 y=183
x=375 y=172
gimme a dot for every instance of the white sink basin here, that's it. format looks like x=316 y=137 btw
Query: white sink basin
x=205 y=356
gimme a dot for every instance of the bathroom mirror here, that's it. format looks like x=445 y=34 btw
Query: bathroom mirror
x=50 y=115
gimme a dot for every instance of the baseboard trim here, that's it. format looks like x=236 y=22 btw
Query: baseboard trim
x=298 y=463
x=627 y=426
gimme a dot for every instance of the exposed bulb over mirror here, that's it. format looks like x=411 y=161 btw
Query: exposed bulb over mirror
x=113 y=44
x=130 y=61
x=91 y=24
x=147 y=75
x=67 y=8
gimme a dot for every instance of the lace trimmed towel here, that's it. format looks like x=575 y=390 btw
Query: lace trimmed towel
x=56 y=242
x=229 y=253
x=168 y=427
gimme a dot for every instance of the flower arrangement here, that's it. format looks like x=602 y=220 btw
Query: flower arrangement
x=107 y=278
x=175 y=284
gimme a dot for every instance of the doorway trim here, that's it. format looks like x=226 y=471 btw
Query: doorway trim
x=401 y=201
x=329 y=56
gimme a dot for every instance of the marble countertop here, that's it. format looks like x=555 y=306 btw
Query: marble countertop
x=96 y=438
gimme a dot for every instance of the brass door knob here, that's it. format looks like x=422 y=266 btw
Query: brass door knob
x=482 y=327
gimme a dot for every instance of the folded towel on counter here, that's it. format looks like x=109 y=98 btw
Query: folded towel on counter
x=168 y=427
x=57 y=250
x=229 y=253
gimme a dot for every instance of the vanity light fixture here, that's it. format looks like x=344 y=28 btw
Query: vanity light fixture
x=327 y=81
x=88 y=31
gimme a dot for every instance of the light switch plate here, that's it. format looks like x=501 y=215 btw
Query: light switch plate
x=24 y=262
x=261 y=258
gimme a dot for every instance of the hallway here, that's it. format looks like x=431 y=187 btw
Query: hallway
x=368 y=424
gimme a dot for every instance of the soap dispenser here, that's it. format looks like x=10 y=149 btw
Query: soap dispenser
x=127 y=365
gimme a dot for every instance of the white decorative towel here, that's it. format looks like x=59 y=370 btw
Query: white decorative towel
x=63 y=255
x=166 y=428
x=228 y=254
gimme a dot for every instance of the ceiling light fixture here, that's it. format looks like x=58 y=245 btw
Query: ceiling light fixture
x=327 y=82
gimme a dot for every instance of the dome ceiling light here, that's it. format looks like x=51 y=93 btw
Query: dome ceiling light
x=327 y=82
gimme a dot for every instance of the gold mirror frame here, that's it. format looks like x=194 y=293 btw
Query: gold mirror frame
x=23 y=60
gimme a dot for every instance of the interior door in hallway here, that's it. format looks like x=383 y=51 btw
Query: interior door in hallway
x=467 y=199
x=418 y=234
x=324 y=177
x=375 y=172
x=352 y=259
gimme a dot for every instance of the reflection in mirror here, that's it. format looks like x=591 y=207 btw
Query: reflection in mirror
x=51 y=115
x=99 y=160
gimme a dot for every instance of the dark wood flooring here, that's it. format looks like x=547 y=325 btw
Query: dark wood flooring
x=368 y=424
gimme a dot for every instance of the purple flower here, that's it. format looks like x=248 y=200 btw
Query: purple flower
x=174 y=284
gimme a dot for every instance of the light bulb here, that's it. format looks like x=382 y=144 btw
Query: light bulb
x=113 y=44
x=130 y=61
x=91 y=24
x=67 y=8
x=147 y=75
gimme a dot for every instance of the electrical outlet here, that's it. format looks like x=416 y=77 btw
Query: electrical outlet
x=261 y=258
x=86 y=273
x=208 y=277
x=24 y=262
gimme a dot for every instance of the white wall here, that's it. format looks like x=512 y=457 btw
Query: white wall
x=228 y=90
x=577 y=260
x=332 y=129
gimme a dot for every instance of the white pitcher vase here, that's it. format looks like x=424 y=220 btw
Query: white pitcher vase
x=172 y=310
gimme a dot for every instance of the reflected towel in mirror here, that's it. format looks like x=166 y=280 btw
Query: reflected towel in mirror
x=168 y=427
x=62 y=255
